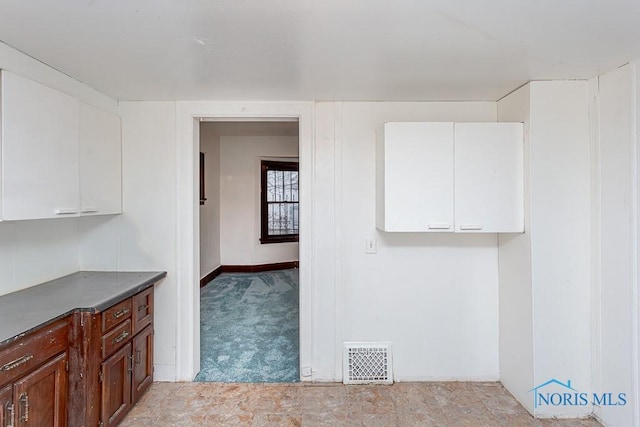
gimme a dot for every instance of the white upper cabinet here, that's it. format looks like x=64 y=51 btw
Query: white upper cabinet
x=416 y=177
x=39 y=150
x=445 y=177
x=100 y=162
x=59 y=157
x=489 y=177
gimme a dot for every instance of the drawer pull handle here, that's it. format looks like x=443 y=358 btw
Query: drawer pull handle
x=24 y=402
x=10 y=414
x=120 y=313
x=442 y=226
x=470 y=227
x=65 y=211
x=120 y=337
x=14 y=364
x=143 y=307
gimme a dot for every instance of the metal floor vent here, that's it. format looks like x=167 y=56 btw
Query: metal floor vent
x=367 y=363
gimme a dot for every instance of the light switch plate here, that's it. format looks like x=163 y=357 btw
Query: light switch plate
x=371 y=246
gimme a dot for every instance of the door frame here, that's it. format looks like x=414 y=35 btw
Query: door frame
x=188 y=117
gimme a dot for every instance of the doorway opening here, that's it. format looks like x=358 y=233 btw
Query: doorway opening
x=249 y=251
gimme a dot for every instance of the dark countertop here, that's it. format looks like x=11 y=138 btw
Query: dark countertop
x=28 y=309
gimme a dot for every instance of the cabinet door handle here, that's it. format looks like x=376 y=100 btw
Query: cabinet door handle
x=10 y=415
x=65 y=211
x=439 y=226
x=130 y=369
x=120 y=313
x=470 y=227
x=24 y=403
x=89 y=210
x=120 y=337
x=15 y=363
x=137 y=356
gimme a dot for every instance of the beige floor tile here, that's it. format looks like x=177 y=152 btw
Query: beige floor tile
x=420 y=404
x=325 y=420
x=369 y=399
x=324 y=400
x=277 y=420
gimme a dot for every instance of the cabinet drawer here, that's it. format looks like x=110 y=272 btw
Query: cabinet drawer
x=116 y=338
x=115 y=315
x=142 y=310
x=32 y=350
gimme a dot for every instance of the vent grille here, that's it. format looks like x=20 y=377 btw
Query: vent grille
x=367 y=363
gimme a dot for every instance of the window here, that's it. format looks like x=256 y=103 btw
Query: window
x=279 y=202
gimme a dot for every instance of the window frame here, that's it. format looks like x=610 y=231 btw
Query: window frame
x=266 y=165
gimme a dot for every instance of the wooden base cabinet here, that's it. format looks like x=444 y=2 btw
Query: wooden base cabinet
x=39 y=398
x=114 y=351
x=34 y=378
x=6 y=406
x=115 y=374
x=142 y=363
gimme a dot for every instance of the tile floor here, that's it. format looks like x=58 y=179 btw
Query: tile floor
x=447 y=404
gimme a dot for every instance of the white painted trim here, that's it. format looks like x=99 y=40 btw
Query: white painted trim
x=596 y=256
x=338 y=235
x=188 y=114
x=635 y=219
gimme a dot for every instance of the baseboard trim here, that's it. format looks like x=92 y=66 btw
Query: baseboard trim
x=259 y=268
x=209 y=277
x=247 y=269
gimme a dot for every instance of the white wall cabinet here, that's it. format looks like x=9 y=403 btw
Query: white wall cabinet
x=59 y=158
x=100 y=162
x=489 y=177
x=39 y=150
x=445 y=177
x=415 y=167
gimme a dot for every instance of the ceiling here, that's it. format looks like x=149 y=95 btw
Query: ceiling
x=322 y=49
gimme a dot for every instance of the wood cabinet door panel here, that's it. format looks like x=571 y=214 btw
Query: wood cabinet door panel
x=142 y=362
x=142 y=310
x=116 y=386
x=31 y=351
x=6 y=406
x=116 y=314
x=116 y=338
x=40 y=397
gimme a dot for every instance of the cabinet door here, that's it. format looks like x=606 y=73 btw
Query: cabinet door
x=116 y=386
x=39 y=150
x=40 y=397
x=142 y=362
x=489 y=178
x=418 y=177
x=100 y=162
x=6 y=406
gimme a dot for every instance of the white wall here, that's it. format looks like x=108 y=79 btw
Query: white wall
x=240 y=199
x=210 y=211
x=434 y=296
x=32 y=252
x=143 y=238
x=515 y=269
x=560 y=236
x=616 y=281
x=545 y=273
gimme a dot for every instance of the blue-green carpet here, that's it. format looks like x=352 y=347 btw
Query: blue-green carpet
x=249 y=328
